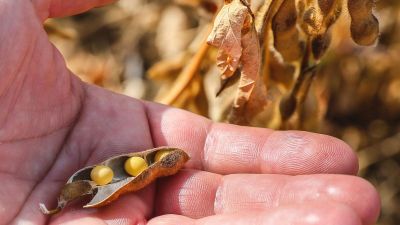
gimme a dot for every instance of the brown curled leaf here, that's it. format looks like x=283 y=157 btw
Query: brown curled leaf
x=235 y=36
x=251 y=95
x=226 y=36
x=80 y=184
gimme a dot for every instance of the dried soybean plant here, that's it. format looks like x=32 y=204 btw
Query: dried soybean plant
x=291 y=32
x=266 y=52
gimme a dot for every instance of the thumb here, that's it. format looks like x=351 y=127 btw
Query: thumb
x=60 y=8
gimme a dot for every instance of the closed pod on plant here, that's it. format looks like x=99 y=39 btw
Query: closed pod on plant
x=364 y=25
x=286 y=34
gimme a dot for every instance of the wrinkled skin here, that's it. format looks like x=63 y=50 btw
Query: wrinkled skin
x=52 y=124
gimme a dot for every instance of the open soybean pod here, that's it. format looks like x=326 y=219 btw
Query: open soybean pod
x=364 y=25
x=286 y=34
x=80 y=183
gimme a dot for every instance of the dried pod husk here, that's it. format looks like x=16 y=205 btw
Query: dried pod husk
x=80 y=184
x=286 y=34
x=311 y=22
x=331 y=14
x=301 y=7
x=319 y=16
x=326 y=6
x=319 y=44
x=364 y=25
x=282 y=73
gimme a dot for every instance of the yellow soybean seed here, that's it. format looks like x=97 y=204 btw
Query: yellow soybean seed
x=101 y=175
x=135 y=165
x=161 y=154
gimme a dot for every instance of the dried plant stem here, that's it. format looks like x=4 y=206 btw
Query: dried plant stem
x=303 y=96
x=303 y=83
x=293 y=97
x=304 y=68
x=186 y=76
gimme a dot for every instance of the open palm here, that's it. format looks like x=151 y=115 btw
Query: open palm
x=52 y=124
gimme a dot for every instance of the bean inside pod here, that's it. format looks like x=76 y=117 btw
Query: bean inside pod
x=163 y=161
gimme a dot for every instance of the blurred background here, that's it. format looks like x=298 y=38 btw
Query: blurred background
x=148 y=48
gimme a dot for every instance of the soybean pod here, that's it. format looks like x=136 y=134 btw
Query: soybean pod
x=106 y=181
x=364 y=25
x=286 y=34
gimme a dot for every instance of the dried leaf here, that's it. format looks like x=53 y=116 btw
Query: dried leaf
x=251 y=96
x=227 y=36
x=80 y=183
x=236 y=38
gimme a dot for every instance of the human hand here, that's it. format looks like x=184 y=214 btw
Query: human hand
x=52 y=124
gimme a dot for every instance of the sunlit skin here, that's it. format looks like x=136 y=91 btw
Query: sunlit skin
x=52 y=124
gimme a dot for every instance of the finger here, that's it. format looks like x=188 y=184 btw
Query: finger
x=323 y=213
x=197 y=194
x=61 y=8
x=223 y=148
